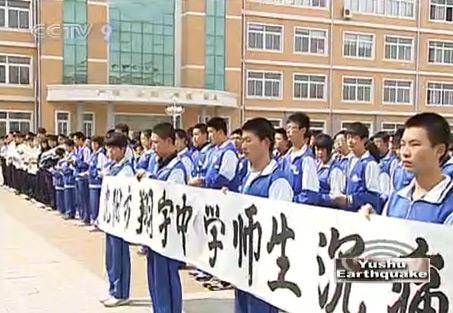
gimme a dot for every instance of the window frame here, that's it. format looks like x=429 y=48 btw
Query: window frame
x=19 y=65
x=326 y=39
x=326 y=82
x=274 y=2
x=8 y=120
x=373 y=47
x=7 y=8
x=282 y=36
x=411 y=91
x=263 y=97
x=319 y=121
x=355 y=101
x=439 y=21
x=92 y=122
x=395 y=123
x=413 y=17
x=443 y=51
x=427 y=93
x=397 y=60
x=57 y=120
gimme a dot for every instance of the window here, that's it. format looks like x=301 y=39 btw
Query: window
x=265 y=37
x=75 y=48
x=310 y=41
x=440 y=52
x=391 y=128
x=215 y=45
x=358 y=45
x=15 y=14
x=264 y=84
x=398 y=91
x=441 y=10
x=14 y=121
x=15 y=70
x=297 y=3
x=398 y=48
x=440 y=93
x=346 y=125
x=142 y=46
x=277 y=123
x=62 y=123
x=88 y=124
x=357 y=89
x=309 y=87
x=318 y=125
x=390 y=8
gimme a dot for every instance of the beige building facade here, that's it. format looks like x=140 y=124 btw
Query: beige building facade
x=89 y=64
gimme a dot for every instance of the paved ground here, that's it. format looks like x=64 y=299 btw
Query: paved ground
x=50 y=265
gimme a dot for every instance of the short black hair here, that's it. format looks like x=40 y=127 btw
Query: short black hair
x=116 y=140
x=398 y=135
x=382 y=135
x=202 y=127
x=302 y=120
x=69 y=142
x=60 y=152
x=20 y=135
x=262 y=128
x=124 y=128
x=237 y=131
x=358 y=129
x=282 y=132
x=52 y=137
x=436 y=126
x=164 y=131
x=324 y=141
x=147 y=133
x=42 y=131
x=218 y=123
x=110 y=131
x=98 y=139
x=79 y=135
x=182 y=134
x=373 y=150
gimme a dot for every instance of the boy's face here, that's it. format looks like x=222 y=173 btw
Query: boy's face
x=355 y=143
x=280 y=143
x=341 y=145
x=214 y=135
x=68 y=148
x=417 y=153
x=180 y=144
x=199 y=138
x=382 y=146
x=160 y=146
x=94 y=146
x=294 y=132
x=237 y=140
x=252 y=147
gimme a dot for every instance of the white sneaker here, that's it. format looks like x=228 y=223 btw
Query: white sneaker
x=114 y=302
x=105 y=298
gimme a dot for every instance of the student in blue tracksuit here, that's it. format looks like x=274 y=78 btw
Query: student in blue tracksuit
x=342 y=152
x=203 y=150
x=362 y=174
x=83 y=154
x=301 y=160
x=223 y=162
x=400 y=177
x=57 y=180
x=387 y=163
x=182 y=147
x=236 y=138
x=329 y=173
x=97 y=163
x=124 y=129
x=263 y=179
x=163 y=273
x=282 y=144
x=429 y=196
x=117 y=250
x=68 y=169
x=148 y=153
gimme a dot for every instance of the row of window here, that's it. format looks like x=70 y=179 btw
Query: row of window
x=439 y=10
x=355 y=45
x=63 y=123
x=354 y=89
x=15 y=14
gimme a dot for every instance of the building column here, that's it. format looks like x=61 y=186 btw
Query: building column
x=110 y=116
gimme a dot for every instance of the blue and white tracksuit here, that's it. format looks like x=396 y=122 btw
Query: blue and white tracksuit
x=117 y=250
x=186 y=158
x=97 y=163
x=201 y=160
x=164 y=283
x=222 y=168
x=69 y=181
x=81 y=167
x=305 y=179
x=58 y=183
x=331 y=182
x=272 y=183
x=387 y=165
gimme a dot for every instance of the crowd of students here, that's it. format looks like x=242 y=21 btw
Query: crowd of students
x=406 y=175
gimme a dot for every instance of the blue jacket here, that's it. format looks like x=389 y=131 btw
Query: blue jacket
x=324 y=184
x=122 y=168
x=267 y=182
x=400 y=177
x=94 y=173
x=356 y=185
x=243 y=168
x=83 y=156
x=303 y=164
x=447 y=166
x=68 y=168
x=143 y=161
x=57 y=175
x=174 y=170
x=186 y=158
x=201 y=160
x=214 y=179
x=435 y=207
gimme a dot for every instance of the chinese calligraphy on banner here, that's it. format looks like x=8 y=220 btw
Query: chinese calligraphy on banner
x=282 y=252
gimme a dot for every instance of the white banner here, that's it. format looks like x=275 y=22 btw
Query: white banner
x=282 y=252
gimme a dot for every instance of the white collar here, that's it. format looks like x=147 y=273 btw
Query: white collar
x=298 y=153
x=435 y=195
x=269 y=169
x=149 y=151
x=329 y=163
x=182 y=152
x=226 y=143
x=364 y=156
